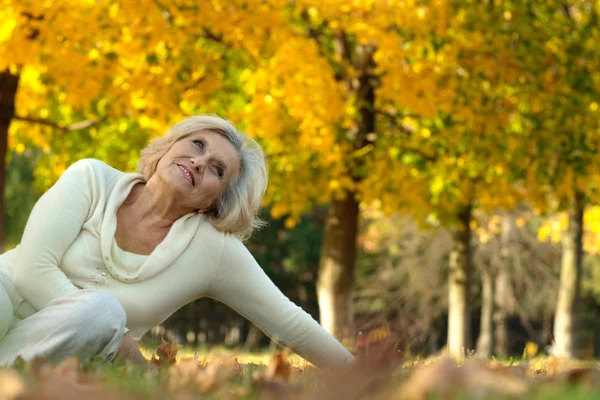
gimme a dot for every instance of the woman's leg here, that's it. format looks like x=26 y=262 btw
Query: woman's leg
x=6 y=311
x=87 y=324
x=7 y=303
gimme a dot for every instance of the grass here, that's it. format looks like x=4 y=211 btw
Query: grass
x=260 y=357
x=266 y=375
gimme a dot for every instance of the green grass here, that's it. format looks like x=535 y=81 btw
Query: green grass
x=253 y=379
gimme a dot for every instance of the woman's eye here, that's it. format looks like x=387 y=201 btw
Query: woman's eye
x=219 y=171
x=198 y=143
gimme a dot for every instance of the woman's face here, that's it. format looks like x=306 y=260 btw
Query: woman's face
x=198 y=168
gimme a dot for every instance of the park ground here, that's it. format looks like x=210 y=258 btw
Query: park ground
x=378 y=373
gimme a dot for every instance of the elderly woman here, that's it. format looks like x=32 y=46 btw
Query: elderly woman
x=107 y=255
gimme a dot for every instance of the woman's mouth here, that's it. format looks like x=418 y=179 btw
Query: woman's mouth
x=186 y=174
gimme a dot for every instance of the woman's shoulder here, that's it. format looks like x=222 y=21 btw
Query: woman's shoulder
x=94 y=165
x=94 y=170
x=227 y=241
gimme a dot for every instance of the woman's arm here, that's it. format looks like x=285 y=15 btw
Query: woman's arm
x=53 y=225
x=241 y=283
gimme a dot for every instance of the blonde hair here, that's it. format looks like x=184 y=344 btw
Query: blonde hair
x=236 y=210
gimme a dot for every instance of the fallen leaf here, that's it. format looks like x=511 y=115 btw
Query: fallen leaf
x=274 y=390
x=65 y=382
x=361 y=379
x=68 y=369
x=589 y=377
x=11 y=385
x=167 y=353
x=280 y=369
x=519 y=370
x=65 y=389
x=183 y=372
x=212 y=377
x=555 y=364
x=445 y=379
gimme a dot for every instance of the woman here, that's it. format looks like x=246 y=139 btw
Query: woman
x=106 y=255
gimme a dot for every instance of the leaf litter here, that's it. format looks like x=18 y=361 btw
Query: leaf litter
x=379 y=372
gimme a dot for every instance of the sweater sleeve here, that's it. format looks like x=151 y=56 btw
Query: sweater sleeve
x=240 y=283
x=54 y=223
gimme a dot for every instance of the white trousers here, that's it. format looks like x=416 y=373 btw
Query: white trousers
x=89 y=323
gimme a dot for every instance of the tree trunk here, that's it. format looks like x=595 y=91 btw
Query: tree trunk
x=459 y=319
x=336 y=268
x=565 y=317
x=502 y=284
x=9 y=84
x=485 y=342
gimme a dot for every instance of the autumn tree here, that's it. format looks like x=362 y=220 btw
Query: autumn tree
x=563 y=115
x=352 y=102
x=473 y=137
x=328 y=100
x=91 y=79
x=153 y=62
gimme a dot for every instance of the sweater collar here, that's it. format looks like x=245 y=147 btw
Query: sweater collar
x=173 y=245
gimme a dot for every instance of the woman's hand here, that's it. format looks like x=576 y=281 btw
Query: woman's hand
x=130 y=350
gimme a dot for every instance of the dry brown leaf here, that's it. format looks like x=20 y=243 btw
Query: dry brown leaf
x=60 y=388
x=166 y=352
x=213 y=376
x=555 y=364
x=435 y=378
x=236 y=366
x=280 y=369
x=363 y=378
x=11 y=385
x=273 y=390
x=68 y=369
x=206 y=378
x=183 y=372
x=589 y=377
x=65 y=381
x=520 y=370
x=375 y=340
x=444 y=378
x=481 y=380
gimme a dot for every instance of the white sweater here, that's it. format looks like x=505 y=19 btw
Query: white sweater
x=69 y=244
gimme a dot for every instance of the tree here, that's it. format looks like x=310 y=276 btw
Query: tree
x=154 y=62
x=113 y=72
x=8 y=89
x=473 y=138
x=350 y=125
x=563 y=115
x=321 y=122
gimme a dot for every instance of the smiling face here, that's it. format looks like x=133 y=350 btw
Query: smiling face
x=198 y=168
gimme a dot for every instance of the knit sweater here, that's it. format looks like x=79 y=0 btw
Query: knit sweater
x=69 y=243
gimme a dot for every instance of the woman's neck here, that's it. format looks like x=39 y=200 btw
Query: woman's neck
x=153 y=207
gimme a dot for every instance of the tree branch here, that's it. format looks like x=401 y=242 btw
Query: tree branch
x=68 y=128
x=317 y=35
x=393 y=119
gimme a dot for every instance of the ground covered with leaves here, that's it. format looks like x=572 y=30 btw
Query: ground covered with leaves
x=377 y=373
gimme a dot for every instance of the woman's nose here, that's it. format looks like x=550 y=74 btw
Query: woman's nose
x=198 y=162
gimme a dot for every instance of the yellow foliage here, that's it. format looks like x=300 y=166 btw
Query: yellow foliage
x=531 y=349
x=554 y=228
x=155 y=62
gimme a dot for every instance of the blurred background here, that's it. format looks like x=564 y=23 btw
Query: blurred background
x=434 y=165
